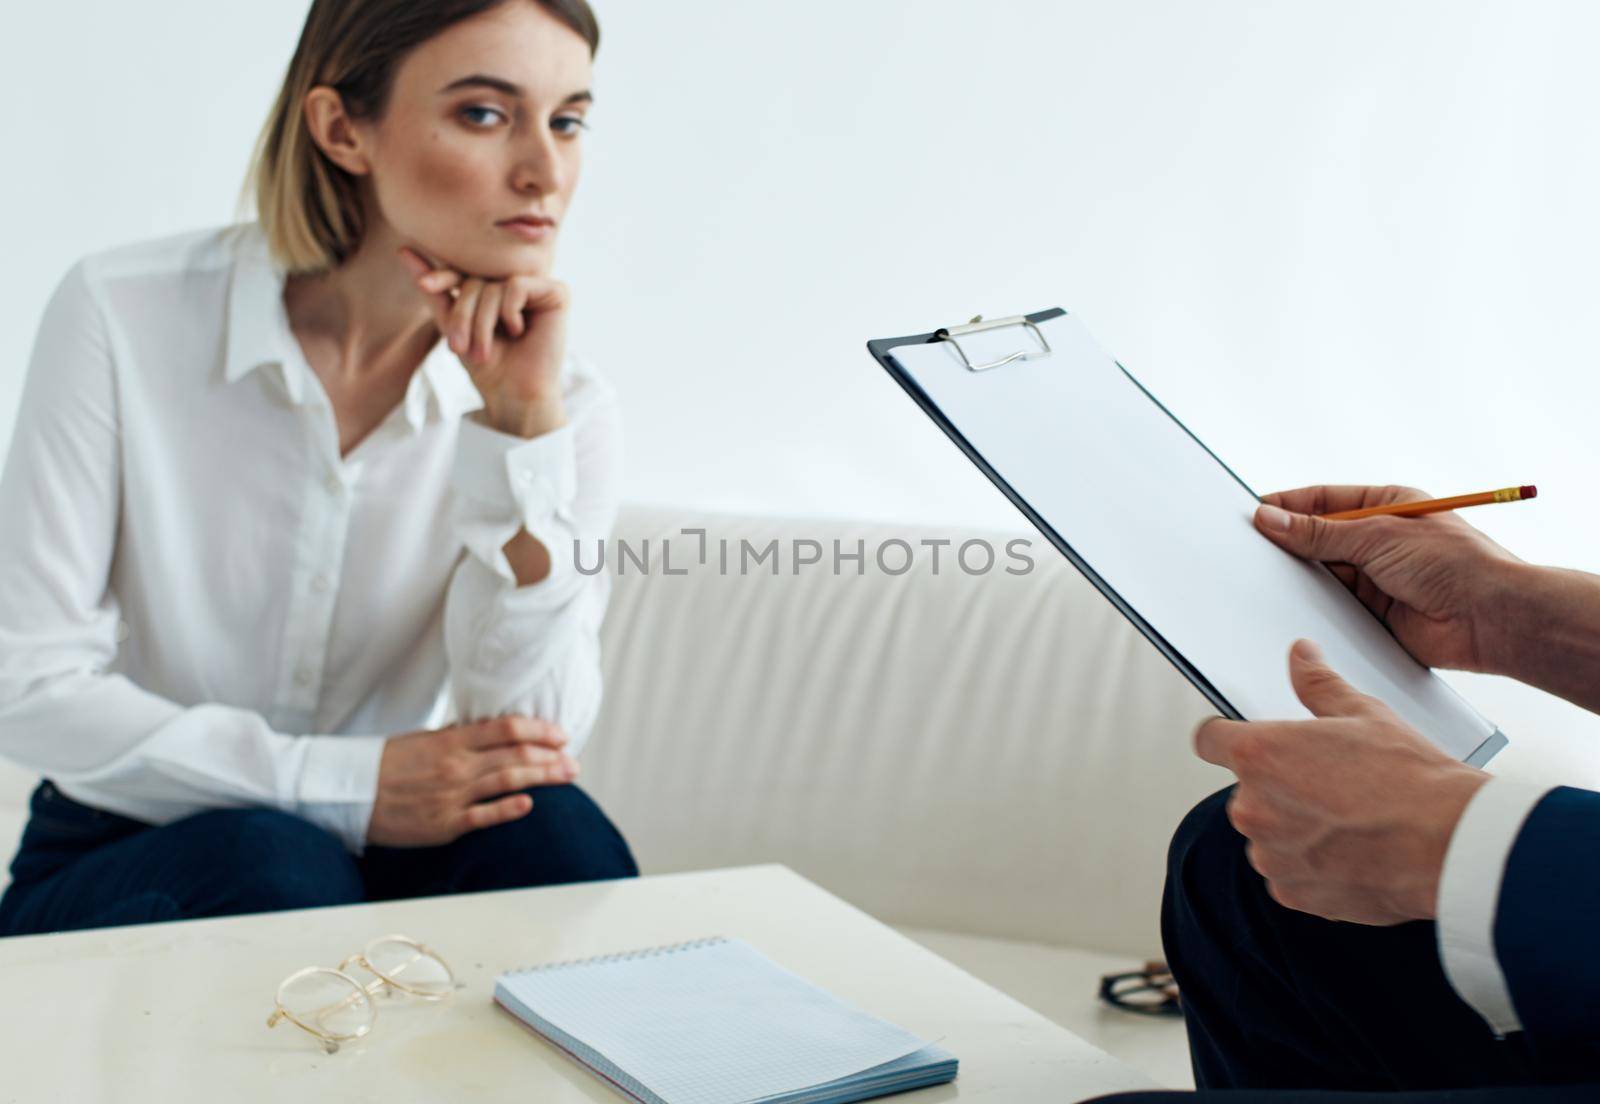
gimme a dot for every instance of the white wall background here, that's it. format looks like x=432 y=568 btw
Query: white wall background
x=1346 y=241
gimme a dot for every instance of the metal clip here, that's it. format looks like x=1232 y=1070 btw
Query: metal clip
x=978 y=325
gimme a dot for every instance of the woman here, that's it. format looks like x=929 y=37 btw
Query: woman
x=316 y=529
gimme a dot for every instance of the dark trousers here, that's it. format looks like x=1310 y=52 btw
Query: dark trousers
x=1281 y=1004
x=80 y=867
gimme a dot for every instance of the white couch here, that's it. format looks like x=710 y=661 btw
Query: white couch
x=993 y=763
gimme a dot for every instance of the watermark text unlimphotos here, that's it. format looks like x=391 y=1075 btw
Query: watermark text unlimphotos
x=894 y=556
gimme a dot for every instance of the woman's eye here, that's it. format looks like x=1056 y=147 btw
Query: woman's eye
x=467 y=112
x=568 y=125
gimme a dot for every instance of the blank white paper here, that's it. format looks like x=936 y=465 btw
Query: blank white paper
x=1168 y=528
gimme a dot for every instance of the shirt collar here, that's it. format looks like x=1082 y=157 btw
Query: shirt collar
x=454 y=393
x=259 y=336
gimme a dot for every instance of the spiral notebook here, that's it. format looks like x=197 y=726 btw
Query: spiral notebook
x=714 y=1021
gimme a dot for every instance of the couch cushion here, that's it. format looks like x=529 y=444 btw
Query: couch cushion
x=996 y=753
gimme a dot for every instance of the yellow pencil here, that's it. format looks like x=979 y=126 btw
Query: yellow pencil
x=1436 y=505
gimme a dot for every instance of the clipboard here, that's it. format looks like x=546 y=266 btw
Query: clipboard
x=1024 y=433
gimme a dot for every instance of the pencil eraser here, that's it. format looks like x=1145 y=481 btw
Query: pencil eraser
x=1528 y=491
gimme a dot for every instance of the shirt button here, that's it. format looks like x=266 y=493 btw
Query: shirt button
x=321 y=583
x=302 y=676
x=334 y=485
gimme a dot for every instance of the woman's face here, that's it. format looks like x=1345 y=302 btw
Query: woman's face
x=483 y=127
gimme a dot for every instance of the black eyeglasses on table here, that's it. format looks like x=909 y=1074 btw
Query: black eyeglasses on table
x=1149 y=991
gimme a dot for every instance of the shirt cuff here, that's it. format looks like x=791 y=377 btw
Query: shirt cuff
x=506 y=483
x=339 y=785
x=1469 y=895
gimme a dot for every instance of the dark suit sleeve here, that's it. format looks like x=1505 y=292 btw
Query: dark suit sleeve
x=1547 y=927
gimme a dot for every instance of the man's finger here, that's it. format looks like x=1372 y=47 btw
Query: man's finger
x=1328 y=498
x=1315 y=538
x=1215 y=738
x=1319 y=687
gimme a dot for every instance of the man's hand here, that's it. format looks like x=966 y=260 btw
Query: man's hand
x=438 y=784
x=1440 y=585
x=1348 y=816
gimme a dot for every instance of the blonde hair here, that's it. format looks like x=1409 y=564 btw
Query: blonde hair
x=310 y=208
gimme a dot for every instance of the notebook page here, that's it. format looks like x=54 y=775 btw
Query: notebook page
x=1168 y=528
x=714 y=1022
x=932 y=1065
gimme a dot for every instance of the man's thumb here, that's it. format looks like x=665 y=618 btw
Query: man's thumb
x=1319 y=687
x=1312 y=537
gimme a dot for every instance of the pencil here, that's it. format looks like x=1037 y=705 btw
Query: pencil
x=1436 y=505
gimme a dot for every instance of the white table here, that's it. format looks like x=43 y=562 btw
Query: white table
x=172 y=1012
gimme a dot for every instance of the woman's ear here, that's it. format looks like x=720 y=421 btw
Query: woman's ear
x=334 y=132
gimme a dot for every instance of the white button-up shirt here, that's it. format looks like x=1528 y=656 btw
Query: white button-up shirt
x=1469 y=896
x=203 y=604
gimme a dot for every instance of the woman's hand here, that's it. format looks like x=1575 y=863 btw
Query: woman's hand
x=438 y=784
x=510 y=334
x=1437 y=582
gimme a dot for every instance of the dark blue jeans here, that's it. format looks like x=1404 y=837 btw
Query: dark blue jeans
x=1283 y=1006
x=80 y=867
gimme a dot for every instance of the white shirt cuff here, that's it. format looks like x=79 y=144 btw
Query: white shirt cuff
x=339 y=785
x=1469 y=896
x=506 y=483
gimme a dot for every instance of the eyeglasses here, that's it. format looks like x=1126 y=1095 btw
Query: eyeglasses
x=336 y=1008
x=1149 y=992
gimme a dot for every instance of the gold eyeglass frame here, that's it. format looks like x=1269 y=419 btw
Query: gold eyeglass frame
x=384 y=983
